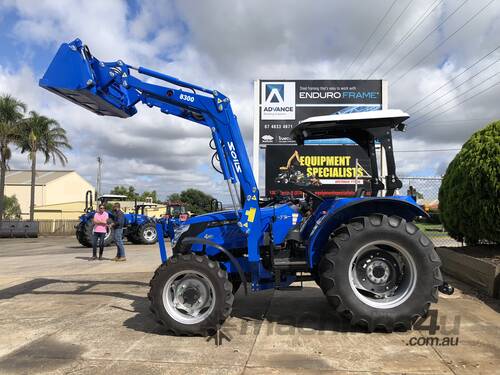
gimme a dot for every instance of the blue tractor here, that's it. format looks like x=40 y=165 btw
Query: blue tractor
x=139 y=228
x=373 y=264
x=175 y=215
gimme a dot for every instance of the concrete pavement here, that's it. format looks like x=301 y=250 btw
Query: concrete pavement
x=60 y=313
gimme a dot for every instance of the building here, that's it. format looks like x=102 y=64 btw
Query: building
x=59 y=195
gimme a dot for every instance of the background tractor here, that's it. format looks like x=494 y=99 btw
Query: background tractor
x=373 y=264
x=139 y=228
x=175 y=215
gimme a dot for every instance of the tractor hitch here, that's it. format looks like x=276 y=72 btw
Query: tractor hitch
x=446 y=288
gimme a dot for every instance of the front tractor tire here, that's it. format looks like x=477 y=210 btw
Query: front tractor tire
x=84 y=233
x=191 y=295
x=380 y=272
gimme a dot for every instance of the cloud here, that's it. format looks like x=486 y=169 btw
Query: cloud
x=225 y=45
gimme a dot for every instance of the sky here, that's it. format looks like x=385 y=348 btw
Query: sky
x=439 y=57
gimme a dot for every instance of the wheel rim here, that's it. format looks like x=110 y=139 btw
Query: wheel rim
x=382 y=274
x=189 y=297
x=108 y=233
x=149 y=234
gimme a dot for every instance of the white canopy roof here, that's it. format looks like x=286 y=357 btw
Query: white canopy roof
x=113 y=196
x=370 y=115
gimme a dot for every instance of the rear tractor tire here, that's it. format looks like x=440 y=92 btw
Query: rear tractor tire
x=80 y=235
x=132 y=237
x=191 y=295
x=84 y=233
x=380 y=272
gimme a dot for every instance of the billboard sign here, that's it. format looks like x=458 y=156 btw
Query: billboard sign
x=337 y=170
x=284 y=103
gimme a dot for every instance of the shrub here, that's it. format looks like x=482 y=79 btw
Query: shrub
x=470 y=192
x=12 y=208
x=196 y=201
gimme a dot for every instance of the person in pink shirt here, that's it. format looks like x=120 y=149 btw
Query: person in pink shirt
x=100 y=221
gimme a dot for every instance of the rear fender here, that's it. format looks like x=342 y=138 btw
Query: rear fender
x=404 y=207
x=86 y=217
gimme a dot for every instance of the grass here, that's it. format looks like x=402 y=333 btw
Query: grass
x=427 y=227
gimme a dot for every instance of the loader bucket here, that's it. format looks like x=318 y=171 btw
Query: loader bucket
x=77 y=76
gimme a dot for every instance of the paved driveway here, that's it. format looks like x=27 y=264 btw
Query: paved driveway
x=60 y=313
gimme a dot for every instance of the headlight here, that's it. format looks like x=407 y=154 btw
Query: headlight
x=178 y=232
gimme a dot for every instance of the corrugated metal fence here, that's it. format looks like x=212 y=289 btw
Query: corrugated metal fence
x=57 y=227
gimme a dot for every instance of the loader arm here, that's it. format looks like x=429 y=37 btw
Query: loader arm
x=110 y=89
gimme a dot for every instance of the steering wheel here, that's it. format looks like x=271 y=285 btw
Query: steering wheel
x=312 y=201
x=360 y=193
x=312 y=195
x=276 y=199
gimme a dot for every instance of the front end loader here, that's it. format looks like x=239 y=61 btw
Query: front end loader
x=373 y=264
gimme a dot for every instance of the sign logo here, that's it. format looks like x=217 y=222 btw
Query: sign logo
x=267 y=138
x=234 y=155
x=275 y=93
x=279 y=101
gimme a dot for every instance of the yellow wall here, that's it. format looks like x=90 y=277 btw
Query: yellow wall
x=73 y=210
x=157 y=211
x=68 y=188
x=23 y=194
x=64 y=199
x=67 y=193
x=61 y=211
x=128 y=207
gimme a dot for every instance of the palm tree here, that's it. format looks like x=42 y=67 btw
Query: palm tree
x=45 y=135
x=11 y=113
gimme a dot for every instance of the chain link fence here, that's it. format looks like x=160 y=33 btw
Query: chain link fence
x=426 y=190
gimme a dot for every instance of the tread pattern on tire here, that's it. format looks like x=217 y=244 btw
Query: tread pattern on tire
x=208 y=327
x=84 y=235
x=132 y=237
x=138 y=236
x=349 y=231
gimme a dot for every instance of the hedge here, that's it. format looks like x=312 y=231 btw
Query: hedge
x=469 y=197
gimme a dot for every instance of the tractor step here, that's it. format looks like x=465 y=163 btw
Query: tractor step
x=291 y=288
x=278 y=286
x=284 y=260
x=290 y=264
